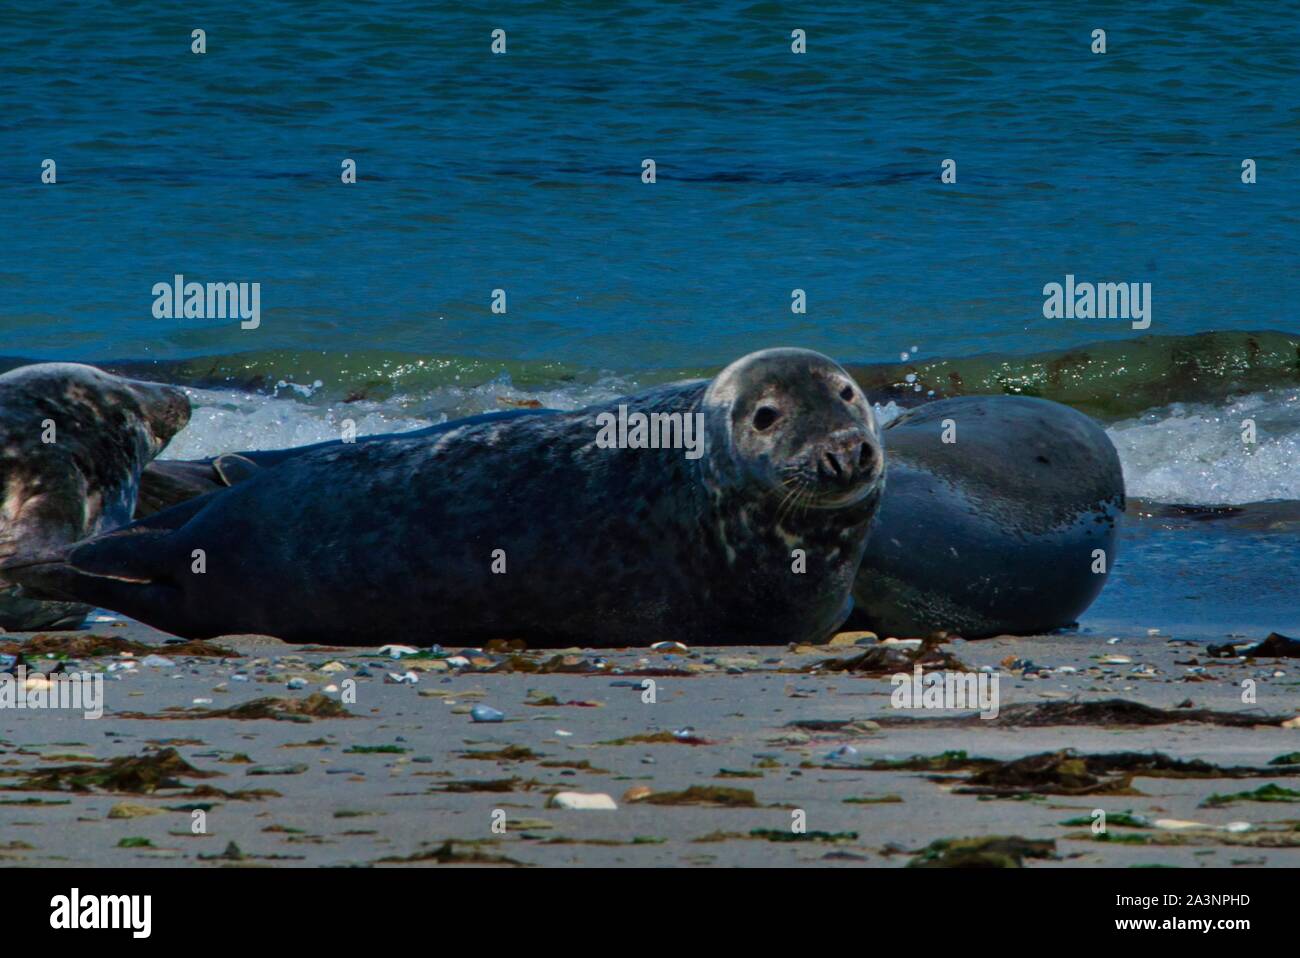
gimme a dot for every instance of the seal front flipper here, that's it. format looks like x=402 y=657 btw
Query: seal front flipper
x=97 y=570
x=124 y=571
x=233 y=468
x=167 y=482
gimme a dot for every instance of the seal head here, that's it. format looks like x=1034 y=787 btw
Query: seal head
x=73 y=443
x=794 y=422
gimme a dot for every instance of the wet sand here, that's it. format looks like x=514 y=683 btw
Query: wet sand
x=412 y=784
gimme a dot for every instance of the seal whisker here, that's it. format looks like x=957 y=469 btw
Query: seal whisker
x=791 y=502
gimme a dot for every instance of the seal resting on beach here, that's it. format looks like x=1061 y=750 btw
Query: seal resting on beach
x=73 y=442
x=527 y=526
x=996 y=531
x=992 y=534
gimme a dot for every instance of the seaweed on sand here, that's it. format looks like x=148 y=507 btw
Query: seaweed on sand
x=130 y=774
x=449 y=854
x=890 y=659
x=702 y=795
x=316 y=705
x=1102 y=712
x=993 y=851
x=1066 y=772
x=90 y=646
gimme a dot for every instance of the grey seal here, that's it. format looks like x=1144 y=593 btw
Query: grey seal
x=1010 y=528
x=527 y=526
x=73 y=443
x=994 y=533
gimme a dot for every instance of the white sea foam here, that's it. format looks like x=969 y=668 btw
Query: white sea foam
x=228 y=421
x=1187 y=453
x=1194 y=453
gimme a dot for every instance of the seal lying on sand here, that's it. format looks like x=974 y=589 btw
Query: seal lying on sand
x=73 y=442
x=996 y=531
x=527 y=527
x=993 y=533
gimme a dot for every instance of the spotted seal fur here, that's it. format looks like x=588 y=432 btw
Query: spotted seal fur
x=526 y=527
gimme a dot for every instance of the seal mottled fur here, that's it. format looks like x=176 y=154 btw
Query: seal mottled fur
x=102 y=431
x=757 y=541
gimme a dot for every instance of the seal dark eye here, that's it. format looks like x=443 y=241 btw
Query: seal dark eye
x=764 y=417
x=847 y=394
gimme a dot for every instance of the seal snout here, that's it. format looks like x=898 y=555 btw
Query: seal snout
x=846 y=459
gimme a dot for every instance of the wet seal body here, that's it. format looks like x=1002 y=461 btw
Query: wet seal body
x=521 y=526
x=73 y=443
x=993 y=533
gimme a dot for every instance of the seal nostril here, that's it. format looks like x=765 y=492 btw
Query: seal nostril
x=836 y=469
x=865 y=455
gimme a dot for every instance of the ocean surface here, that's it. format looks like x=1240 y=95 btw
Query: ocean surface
x=820 y=172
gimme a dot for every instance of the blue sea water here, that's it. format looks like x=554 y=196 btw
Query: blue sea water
x=522 y=172
x=775 y=171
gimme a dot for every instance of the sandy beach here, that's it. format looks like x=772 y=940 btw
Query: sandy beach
x=714 y=772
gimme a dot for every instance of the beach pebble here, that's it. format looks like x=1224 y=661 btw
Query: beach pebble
x=485 y=713
x=295 y=769
x=156 y=661
x=296 y=684
x=457 y=662
x=740 y=662
x=278 y=770
x=132 y=810
x=583 y=801
x=333 y=667
x=1116 y=660
x=845 y=754
x=397 y=651
x=668 y=647
x=405 y=678
x=845 y=639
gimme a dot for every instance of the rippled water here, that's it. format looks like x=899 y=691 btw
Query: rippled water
x=522 y=172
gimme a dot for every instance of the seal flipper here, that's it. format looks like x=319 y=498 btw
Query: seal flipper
x=124 y=571
x=233 y=468
x=169 y=482
x=93 y=570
